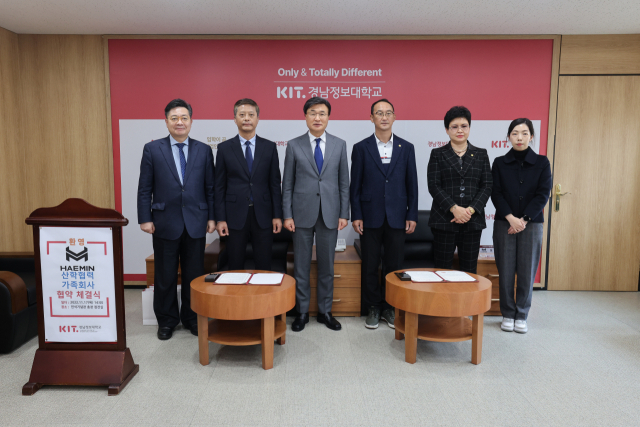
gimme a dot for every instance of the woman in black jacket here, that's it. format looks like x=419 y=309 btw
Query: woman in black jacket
x=521 y=187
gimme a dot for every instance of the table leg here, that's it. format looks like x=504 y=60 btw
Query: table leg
x=267 y=333
x=283 y=338
x=476 y=339
x=399 y=335
x=410 y=337
x=203 y=339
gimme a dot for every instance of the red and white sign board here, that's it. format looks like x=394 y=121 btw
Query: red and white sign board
x=78 y=287
x=498 y=80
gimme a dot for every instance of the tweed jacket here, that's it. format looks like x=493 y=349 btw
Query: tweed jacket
x=466 y=186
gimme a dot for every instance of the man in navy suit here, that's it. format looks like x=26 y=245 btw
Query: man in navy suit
x=248 y=196
x=384 y=205
x=175 y=205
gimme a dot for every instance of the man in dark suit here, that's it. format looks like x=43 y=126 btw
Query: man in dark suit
x=384 y=206
x=248 y=196
x=175 y=205
x=459 y=179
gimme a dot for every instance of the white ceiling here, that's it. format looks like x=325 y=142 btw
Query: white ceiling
x=320 y=17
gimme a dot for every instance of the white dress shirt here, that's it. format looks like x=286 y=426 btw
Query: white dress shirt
x=323 y=143
x=385 y=149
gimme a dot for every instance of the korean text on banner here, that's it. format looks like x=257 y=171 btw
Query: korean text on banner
x=78 y=287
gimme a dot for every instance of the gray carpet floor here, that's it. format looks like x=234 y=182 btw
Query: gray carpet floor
x=579 y=365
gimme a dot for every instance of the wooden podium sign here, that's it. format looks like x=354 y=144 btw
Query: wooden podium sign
x=80 y=291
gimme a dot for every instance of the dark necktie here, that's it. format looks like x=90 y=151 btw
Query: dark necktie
x=248 y=155
x=317 y=154
x=183 y=160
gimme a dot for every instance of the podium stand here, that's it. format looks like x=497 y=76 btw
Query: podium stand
x=82 y=340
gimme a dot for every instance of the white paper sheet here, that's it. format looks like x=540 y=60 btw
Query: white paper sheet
x=266 y=279
x=424 y=276
x=455 y=276
x=233 y=278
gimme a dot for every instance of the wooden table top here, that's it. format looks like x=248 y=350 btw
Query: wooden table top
x=242 y=302
x=444 y=299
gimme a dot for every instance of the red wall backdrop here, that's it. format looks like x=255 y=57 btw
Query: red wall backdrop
x=495 y=79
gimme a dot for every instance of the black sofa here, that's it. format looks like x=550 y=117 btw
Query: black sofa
x=18 y=308
x=418 y=246
x=281 y=259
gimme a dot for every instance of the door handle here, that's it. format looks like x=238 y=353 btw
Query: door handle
x=559 y=194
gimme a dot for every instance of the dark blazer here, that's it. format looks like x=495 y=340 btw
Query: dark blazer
x=164 y=201
x=446 y=182
x=521 y=188
x=375 y=194
x=234 y=184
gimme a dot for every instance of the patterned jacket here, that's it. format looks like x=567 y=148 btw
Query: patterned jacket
x=450 y=184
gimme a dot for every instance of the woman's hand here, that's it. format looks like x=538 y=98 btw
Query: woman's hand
x=517 y=224
x=460 y=215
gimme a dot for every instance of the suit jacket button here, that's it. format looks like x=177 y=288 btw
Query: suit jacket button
x=251 y=184
x=520 y=197
x=317 y=194
x=387 y=181
x=461 y=194
x=521 y=181
x=320 y=179
x=183 y=190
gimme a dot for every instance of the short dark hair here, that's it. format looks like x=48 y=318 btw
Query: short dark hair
x=316 y=100
x=457 y=112
x=522 y=121
x=175 y=104
x=245 y=101
x=382 y=100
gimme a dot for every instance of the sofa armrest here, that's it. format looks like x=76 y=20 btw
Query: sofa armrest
x=17 y=291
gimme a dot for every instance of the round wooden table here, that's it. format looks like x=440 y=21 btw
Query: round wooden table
x=439 y=311
x=242 y=314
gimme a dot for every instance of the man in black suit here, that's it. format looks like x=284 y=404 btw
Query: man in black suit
x=175 y=206
x=460 y=181
x=248 y=195
x=384 y=206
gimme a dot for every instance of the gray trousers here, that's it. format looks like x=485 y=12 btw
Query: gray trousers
x=517 y=253
x=326 y=239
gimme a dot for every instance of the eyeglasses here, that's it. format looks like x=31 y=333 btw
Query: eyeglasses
x=463 y=127
x=381 y=114
x=322 y=115
x=175 y=119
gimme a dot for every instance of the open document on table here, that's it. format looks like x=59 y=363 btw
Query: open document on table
x=455 y=276
x=424 y=276
x=233 y=278
x=266 y=279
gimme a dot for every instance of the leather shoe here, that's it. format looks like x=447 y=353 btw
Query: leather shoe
x=301 y=320
x=329 y=321
x=164 y=333
x=194 y=329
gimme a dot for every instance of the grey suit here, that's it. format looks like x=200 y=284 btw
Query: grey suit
x=315 y=200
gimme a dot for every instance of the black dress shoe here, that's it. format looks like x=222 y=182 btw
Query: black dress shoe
x=194 y=329
x=329 y=321
x=301 y=320
x=164 y=333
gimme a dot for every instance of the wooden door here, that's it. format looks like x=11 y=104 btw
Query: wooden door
x=595 y=236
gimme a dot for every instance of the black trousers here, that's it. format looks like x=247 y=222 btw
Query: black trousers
x=261 y=241
x=468 y=244
x=189 y=252
x=373 y=239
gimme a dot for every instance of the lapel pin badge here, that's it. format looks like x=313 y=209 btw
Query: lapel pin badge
x=472 y=155
x=399 y=145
